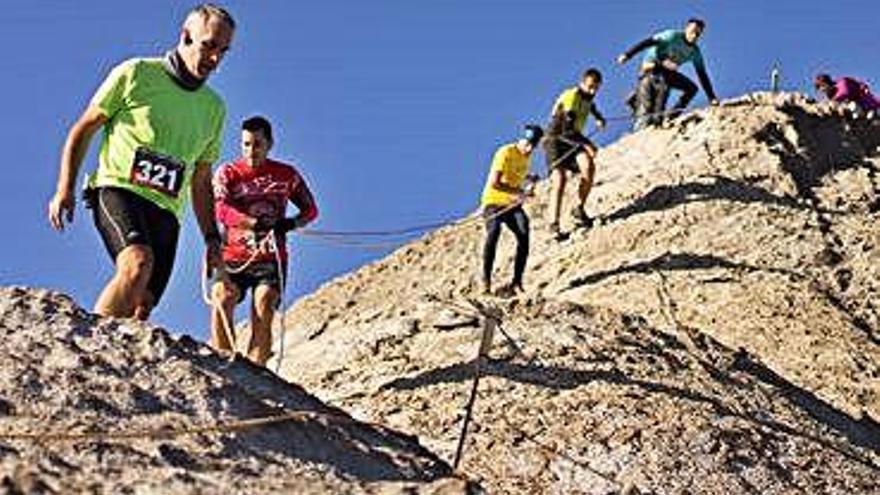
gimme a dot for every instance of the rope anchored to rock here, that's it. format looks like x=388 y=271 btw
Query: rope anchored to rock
x=166 y=432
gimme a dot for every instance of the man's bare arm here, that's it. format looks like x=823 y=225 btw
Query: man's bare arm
x=63 y=203
x=202 y=193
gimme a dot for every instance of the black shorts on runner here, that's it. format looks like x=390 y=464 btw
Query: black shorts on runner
x=562 y=153
x=260 y=273
x=125 y=219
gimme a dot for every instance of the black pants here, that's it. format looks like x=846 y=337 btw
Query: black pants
x=518 y=222
x=653 y=92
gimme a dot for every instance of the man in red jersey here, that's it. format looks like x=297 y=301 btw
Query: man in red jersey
x=251 y=199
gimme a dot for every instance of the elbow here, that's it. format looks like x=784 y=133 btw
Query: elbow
x=311 y=214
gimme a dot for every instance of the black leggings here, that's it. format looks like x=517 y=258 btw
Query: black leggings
x=518 y=222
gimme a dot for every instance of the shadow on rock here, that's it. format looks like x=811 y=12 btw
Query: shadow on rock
x=821 y=145
x=864 y=432
x=714 y=357
x=666 y=197
x=676 y=262
x=368 y=452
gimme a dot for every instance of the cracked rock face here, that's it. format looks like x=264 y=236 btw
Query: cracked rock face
x=718 y=332
x=67 y=372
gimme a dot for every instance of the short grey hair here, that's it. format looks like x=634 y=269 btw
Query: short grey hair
x=207 y=11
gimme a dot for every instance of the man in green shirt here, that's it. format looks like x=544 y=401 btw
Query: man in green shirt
x=162 y=131
x=665 y=53
x=568 y=150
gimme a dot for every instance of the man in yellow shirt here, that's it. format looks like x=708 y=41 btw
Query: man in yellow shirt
x=503 y=196
x=568 y=150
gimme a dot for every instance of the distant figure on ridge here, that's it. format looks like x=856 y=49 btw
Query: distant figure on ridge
x=848 y=93
x=252 y=195
x=568 y=150
x=162 y=132
x=659 y=73
x=507 y=186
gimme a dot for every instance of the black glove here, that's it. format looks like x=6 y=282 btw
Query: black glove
x=285 y=225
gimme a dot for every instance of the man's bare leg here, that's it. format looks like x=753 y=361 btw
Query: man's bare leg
x=262 y=313
x=225 y=295
x=559 y=180
x=128 y=287
x=587 y=166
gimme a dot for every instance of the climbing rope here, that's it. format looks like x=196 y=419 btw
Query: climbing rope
x=166 y=432
x=344 y=238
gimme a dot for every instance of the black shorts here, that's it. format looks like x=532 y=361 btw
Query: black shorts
x=260 y=273
x=125 y=219
x=562 y=153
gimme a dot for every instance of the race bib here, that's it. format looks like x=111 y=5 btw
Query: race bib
x=156 y=171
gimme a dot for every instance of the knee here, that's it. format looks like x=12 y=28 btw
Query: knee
x=588 y=170
x=585 y=161
x=587 y=155
x=225 y=294
x=522 y=228
x=559 y=176
x=135 y=263
x=493 y=234
x=265 y=301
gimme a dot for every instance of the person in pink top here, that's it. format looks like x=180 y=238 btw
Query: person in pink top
x=848 y=90
x=251 y=197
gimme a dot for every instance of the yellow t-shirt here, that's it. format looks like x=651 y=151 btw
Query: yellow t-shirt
x=572 y=100
x=514 y=167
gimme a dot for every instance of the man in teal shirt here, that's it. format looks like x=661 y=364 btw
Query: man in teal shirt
x=666 y=52
x=162 y=131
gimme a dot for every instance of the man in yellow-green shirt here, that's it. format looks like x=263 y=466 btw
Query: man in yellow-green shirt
x=162 y=131
x=503 y=196
x=568 y=150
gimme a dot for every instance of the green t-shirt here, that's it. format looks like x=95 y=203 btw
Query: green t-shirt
x=574 y=101
x=672 y=45
x=156 y=132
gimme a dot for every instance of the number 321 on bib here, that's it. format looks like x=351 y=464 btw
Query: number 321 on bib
x=162 y=173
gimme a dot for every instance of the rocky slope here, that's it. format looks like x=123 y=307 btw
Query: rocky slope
x=90 y=405
x=718 y=333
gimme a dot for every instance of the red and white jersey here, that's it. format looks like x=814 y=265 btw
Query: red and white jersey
x=242 y=191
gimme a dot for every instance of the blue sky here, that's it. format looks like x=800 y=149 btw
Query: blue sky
x=392 y=109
